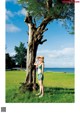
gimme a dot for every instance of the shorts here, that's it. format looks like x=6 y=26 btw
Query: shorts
x=40 y=76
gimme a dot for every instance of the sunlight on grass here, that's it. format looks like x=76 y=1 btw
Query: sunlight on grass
x=59 y=87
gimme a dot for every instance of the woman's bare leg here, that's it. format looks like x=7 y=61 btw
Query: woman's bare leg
x=42 y=88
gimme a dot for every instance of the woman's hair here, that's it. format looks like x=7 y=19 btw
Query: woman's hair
x=42 y=57
x=43 y=60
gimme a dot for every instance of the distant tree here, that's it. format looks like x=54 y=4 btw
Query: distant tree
x=10 y=62
x=20 y=56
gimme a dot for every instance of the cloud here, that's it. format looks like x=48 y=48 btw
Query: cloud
x=12 y=54
x=9 y=14
x=58 y=58
x=12 y=28
x=62 y=53
x=21 y=12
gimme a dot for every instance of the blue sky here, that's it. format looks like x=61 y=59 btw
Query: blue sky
x=59 y=48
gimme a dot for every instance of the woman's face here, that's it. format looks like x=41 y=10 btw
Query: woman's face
x=40 y=60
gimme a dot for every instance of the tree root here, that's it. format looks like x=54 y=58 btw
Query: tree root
x=28 y=87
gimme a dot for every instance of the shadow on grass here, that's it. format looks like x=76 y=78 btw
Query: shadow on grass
x=58 y=90
x=51 y=95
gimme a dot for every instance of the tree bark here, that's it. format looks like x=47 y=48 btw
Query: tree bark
x=21 y=66
x=31 y=55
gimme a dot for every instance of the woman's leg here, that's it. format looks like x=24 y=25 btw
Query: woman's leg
x=40 y=86
x=40 y=91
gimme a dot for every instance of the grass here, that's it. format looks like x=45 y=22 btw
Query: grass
x=58 y=88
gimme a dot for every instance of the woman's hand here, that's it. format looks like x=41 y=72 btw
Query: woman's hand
x=35 y=63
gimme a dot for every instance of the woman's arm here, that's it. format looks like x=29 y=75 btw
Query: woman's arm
x=42 y=68
x=36 y=64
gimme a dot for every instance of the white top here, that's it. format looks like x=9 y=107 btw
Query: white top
x=40 y=68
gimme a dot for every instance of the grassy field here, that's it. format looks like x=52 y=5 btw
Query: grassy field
x=58 y=88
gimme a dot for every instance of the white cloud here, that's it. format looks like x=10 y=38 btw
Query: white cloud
x=9 y=14
x=21 y=12
x=12 y=54
x=12 y=28
x=58 y=58
x=62 y=53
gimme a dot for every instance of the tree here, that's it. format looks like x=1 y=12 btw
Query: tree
x=10 y=62
x=20 y=56
x=43 y=12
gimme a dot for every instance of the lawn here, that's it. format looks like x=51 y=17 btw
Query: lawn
x=58 y=88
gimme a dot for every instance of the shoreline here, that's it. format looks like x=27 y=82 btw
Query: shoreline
x=47 y=71
x=54 y=70
x=58 y=72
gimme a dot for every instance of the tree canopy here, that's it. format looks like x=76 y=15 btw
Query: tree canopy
x=20 y=56
x=49 y=9
x=45 y=8
x=10 y=62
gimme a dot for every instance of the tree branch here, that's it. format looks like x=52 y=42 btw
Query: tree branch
x=43 y=41
x=45 y=30
x=44 y=23
x=41 y=29
x=28 y=18
x=49 y=4
x=34 y=21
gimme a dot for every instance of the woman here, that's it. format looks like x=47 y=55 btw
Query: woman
x=40 y=66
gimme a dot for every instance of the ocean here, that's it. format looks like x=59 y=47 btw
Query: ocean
x=69 y=70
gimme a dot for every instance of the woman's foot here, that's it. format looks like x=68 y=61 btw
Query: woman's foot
x=41 y=96
x=38 y=94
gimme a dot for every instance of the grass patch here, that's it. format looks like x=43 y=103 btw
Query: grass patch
x=58 y=88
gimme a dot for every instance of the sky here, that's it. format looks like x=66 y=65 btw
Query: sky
x=58 y=51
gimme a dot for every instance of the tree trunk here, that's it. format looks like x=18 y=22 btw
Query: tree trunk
x=21 y=67
x=35 y=38
x=31 y=55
